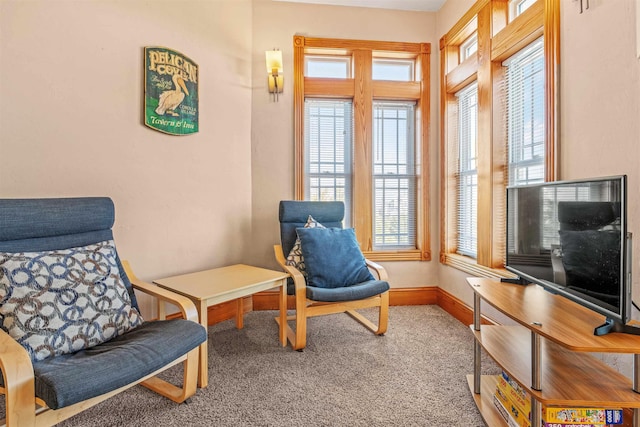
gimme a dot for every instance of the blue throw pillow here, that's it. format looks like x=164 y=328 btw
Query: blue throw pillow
x=332 y=257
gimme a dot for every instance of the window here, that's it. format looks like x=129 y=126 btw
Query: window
x=514 y=69
x=469 y=47
x=397 y=70
x=516 y=7
x=394 y=190
x=362 y=136
x=328 y=138
x=467 y=171
x=525 y=115
x=327 y=66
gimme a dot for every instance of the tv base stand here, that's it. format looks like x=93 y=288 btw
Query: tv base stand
x=611 y=325
x=547 y=353
x=515 y=281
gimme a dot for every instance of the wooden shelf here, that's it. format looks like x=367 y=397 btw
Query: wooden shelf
x=568 y=378
x=564 y=329
x=488 y=411
x=563 y=321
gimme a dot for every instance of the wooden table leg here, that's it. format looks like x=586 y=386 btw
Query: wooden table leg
x=239 y=314
x=283 y=312
x=203 y=371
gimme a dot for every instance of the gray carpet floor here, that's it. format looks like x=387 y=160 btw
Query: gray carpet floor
x=414 y=375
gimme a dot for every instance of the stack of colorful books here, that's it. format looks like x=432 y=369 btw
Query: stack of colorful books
x=514 y=404
x=512 y=401
x=580 y=417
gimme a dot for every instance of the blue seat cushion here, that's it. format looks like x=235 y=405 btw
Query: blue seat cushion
x=71 y=378
x=350 y=293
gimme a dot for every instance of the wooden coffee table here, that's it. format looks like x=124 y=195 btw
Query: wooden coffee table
x=218 y=285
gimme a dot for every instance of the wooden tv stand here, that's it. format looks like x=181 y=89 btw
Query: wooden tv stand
x=547 y=352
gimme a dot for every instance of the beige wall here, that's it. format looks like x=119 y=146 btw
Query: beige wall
x=274 y=25
x=600 y=110
x=71 y=93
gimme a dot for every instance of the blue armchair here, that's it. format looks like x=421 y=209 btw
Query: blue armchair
x=329 y=273
x=71 y=334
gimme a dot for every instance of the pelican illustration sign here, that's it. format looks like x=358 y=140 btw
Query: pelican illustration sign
x=170 y=91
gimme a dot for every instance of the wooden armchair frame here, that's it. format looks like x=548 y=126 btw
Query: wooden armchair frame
x=24 y=409
x=306 y=307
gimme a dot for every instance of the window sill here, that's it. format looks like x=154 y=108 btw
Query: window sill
x=469 y=265
x=406 y=255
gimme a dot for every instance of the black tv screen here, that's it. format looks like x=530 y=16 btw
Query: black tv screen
x=570 y=237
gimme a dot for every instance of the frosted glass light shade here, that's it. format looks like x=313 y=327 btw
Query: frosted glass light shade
x=274 y=60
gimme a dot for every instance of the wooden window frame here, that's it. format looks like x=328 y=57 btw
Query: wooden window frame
x=498 y=39
x=363 y=90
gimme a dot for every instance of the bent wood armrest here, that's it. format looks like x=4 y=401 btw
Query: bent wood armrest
x=298 y=338
x=19 y=383
x=186 y=306
x=379 y=270
x=298 y=278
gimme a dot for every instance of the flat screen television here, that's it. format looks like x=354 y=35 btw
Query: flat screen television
x=571 y=238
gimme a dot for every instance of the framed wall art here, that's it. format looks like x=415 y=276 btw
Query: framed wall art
x=170 y=91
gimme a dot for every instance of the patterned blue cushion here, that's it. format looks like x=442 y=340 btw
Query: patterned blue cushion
x=295 y=258
x=332 y=257
x=61 y=301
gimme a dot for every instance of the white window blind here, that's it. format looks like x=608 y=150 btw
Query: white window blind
x=328 y=136
x=467 y=143
x=526 y=115
x=394 y=176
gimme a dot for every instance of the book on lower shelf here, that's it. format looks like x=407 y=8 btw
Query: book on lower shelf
x=581 y=416
x=516 y=395
x=511 y=414
x=546 y=424
x=505 y=413
x=514 y=404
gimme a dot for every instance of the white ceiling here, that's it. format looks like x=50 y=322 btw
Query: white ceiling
x=420 y=5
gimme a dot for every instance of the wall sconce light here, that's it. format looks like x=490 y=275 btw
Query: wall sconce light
x=274 y=69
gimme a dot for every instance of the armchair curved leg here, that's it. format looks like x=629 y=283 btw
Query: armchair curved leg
x=292 y=336
x=383 y=316
x=301 y=322
x=383 y=319
x=297 y=337
x=189 y=381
